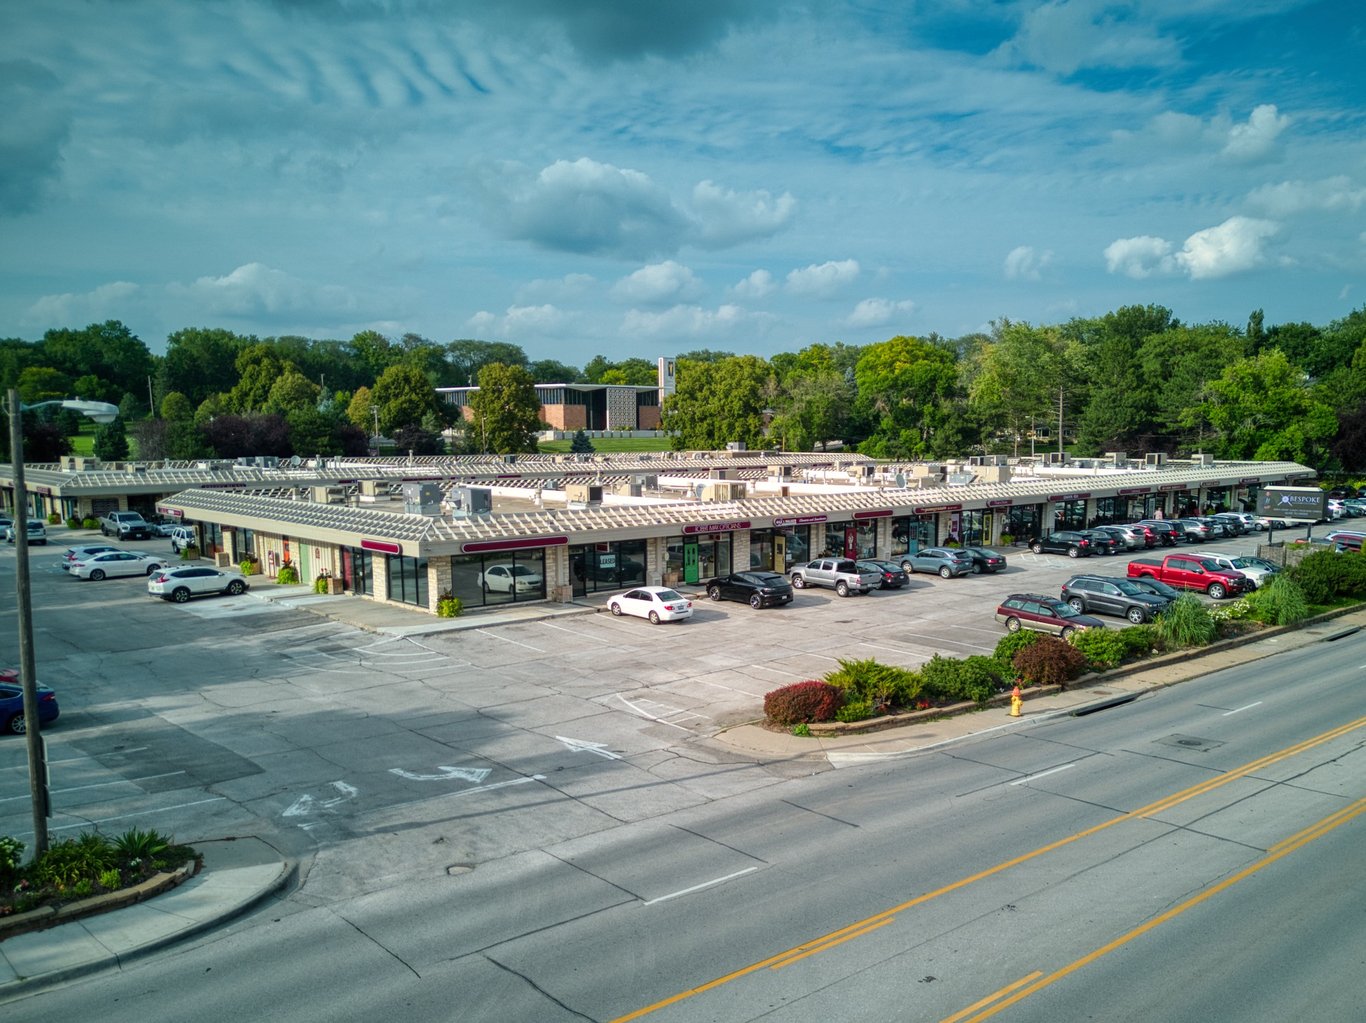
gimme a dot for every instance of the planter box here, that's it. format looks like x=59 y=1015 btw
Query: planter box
x=336 y=586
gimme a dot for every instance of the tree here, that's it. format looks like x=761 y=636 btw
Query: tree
x=403 y=396
x=258 y=368
x=109 y=351
x=359 y=410
x=1017 y=375
x=1264 y=409
x=717 y=403
x=506 y=410
x=176 y=407
x=581 y=444
x=467 y=357
x=1119 y=413
x=1177 y=367
x=376 y=352
x=551 y=371
x=111 y=441
x=291 y=392
x=43 y=383
x=200 y=362
x=906 y=384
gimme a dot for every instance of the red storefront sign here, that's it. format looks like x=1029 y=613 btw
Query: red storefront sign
x=716 y=527
x=521 y=544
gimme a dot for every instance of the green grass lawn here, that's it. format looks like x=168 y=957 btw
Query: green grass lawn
x=608 y=444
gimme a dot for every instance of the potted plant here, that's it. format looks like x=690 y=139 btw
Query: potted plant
x=448 y=605
x=250 y=565
x=287 y=575
x=1008 y=539
x=189 y=553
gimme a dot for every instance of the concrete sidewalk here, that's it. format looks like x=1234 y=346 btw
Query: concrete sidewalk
x=237 y=874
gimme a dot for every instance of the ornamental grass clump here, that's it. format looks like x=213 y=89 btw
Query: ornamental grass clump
x=803 y=702
x=1279 y=602
x=1186 y=623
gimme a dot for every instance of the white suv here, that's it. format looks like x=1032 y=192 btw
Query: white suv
x=182 y=537
x=37 y=532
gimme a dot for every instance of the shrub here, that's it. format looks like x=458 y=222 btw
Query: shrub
x=975 y=678
x=448 y=605
x=11 y=856
x=1049 y=662
x=1104 y=648
x=70 y=860
x=880 y=685
x=54 y=518
x=73 y=523
x=854 y=710
x=89 y=522
x=247 y=565
x=1010 y=644
x=320 y=583
x=802 y=702
x=1279 y=602
x=1185 y=623
x=190 y=553
x=1321 y=576
x=142 y=846
x=1139 y=641
x=288 y=575
x=111 y=879
x=802 y=730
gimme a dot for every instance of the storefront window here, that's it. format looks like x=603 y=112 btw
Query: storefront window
x=1108 y=510
x=406 y=579
x=484 y=579
x=603 y=567
x=1069 y=515
x=911 y=533
x=867 y=538
x=1023 y=522
x=356 y=574
x=975 y=527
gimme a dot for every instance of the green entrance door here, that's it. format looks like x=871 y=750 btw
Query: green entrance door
x=690 y=561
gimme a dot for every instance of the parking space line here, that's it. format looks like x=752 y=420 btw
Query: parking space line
x=515 y=642
x=645 y=714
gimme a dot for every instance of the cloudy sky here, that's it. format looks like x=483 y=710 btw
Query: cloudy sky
x=634 y=179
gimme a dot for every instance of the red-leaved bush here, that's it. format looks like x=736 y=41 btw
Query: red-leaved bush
x=1049 y=662
x=803 y=702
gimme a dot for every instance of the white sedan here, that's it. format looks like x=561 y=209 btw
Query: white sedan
x=83 y=551
x=510 y=579
x=657 y=603
x=111 y=563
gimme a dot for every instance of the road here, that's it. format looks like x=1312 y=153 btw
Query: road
x=1190 y=855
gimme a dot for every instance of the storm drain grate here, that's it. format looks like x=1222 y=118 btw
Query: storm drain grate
x=1191 y=742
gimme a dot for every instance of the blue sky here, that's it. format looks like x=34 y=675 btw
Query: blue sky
x=630 y=179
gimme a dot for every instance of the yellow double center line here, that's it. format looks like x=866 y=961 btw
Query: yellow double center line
x=878 y=920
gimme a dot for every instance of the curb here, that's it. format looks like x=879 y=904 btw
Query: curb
x=43 y=917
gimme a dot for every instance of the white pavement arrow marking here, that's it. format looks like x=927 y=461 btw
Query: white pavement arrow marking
x=598 y=749
x=474 y=774
x=305 y=805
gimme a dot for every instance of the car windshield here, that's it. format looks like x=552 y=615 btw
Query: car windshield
x=670 y=595
x=1064 y=610
x=1245 y=563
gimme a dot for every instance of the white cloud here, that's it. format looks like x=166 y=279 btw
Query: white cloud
x=1291 y=197
x=112 y=301
x=1235 y=245
x=1256 y=138
x=1139 y=257
x=560 y=289
x=522 y=321
x=823 y=280
x=727 y=218
x=1064 y=37
x=1025 y=263
x=682 y=321
x=876 y=312
x=658 y=284
x=759 y=284
x=254 y=288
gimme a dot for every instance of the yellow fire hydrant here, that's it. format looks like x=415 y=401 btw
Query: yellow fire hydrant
x=1015 y=701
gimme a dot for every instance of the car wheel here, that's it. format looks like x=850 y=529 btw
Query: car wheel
x=654 y=617
x=236 y=586
x=908 y=568
x=1074 y=552
x=1217 y=591
x=756 y=602
x=976 y=568
x=1067 y=632
x=154 y=568
x=1078 y=605
x=615 y=608
x=1037 y=548
x=96 y=574
x=842 y=589
x=714 y=593
x=798 y=582
x=1136 y=615
x=1012 y=624
x=180 y=594
x=15 y=725
x=946 y=572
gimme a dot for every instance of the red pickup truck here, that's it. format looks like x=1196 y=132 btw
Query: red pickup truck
x=1191 y=572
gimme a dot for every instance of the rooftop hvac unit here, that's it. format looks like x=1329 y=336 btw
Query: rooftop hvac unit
x=1203 y=459
x=1118 y=458
x=1055 y=458
x=465 y=501
x=1155 y=458
x=583 y=493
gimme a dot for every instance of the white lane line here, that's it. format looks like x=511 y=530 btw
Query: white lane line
x=731 y=689
x=99 y=785
x=1042 y=774
x=1239 y=710
x=140 y=813
x=699 y=887
x=76 y=760
x=651 y=717
x=494 y=635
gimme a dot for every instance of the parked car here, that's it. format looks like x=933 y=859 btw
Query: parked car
x=1074 y=545
x=841 y=574
x=510 y=579
x=180 y=584
x=984 y=560
x=37 y=532
x=114 y=563
x=1348 y=539
x=1355 y=507
x=1196 y=529
x=12 y=704
x=1101 y=541
x=182 y=537
x=1191 y=572
x=656 y=603
x=757 y=589
x=1156 y=587
x=1233 y=522
x=162 y=525
x=948 y=562
x=1131 y=537
x=1113 y=596
x=891 y=575
x=1043 y=614
x=5 y=522
x=1254 y=568
x=1168 y=533
x=84 y=550
x=126 y=525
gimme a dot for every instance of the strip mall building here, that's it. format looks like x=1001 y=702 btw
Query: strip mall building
x=494 y=531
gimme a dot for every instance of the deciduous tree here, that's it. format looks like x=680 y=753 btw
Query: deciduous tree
x=506 y=410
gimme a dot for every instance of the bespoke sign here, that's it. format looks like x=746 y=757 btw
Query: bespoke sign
x=522 y=544
x=716 y=527
x=1305 y=503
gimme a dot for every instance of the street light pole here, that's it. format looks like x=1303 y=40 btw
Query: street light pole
x=101 y=412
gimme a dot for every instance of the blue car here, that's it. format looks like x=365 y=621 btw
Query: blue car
x=947 y=561
x=12 y=703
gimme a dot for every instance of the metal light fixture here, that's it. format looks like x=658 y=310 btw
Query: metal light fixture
x=101 y=412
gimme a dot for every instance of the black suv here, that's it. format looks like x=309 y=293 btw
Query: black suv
x=1168 y=532
x=1074 y=545
x=1113 y=596
x=757 y=589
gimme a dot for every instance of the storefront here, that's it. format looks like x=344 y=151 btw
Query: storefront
x=612 y=565
x=785 y=544
x=1110 y=510
x=912 y=533
x=1069 y=511
x=1024 y=522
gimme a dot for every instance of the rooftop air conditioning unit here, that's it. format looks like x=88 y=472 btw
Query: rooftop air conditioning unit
x=1155 y=458
x=1055 y=458
x=1202 y=459
x=465 y=501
